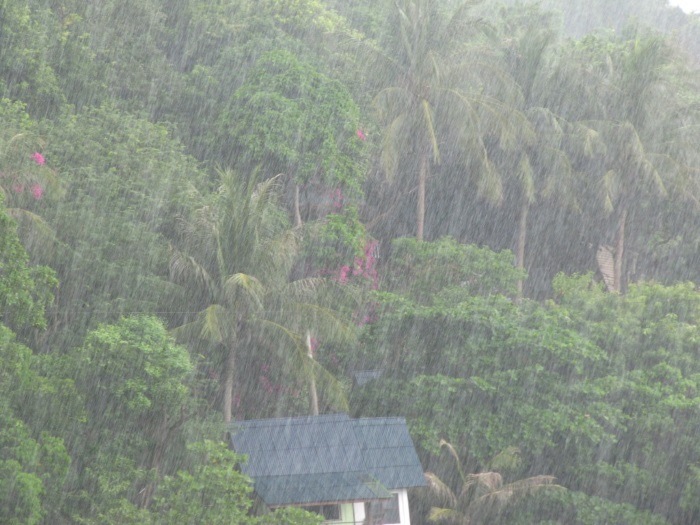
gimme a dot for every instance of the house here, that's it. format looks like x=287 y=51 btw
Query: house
x=352 y=471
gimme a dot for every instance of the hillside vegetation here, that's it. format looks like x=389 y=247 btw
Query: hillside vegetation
x=218 y=210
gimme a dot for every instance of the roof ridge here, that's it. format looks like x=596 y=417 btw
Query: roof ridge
x=292 y=419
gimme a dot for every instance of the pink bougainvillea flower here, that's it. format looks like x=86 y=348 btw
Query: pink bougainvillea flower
x=344 y=271
x=18 y=188
x=358 y=267
x=37 y=191
x=361 y=134
x=38 y=158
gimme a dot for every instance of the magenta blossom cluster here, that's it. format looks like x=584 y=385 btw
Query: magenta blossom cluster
x=35 y=189
x=363 y=266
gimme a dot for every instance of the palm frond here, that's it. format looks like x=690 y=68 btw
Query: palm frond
x=187 y=331
x=326 y=322
x=512 y=126
x=265 y=194
x=375 y=61
x=526 y=176
x=590 y=140
x=453 y=452
x=333 y=390
x=610 y=190
x=303 y=289
x=439 y=514
x=458 y=18
x=278 y=252
x=490 y=185
x=489 y=481
x=518 y=488
x=253 y=289
x=440 y=489
x=532 y=482
x=391 y=102
x=559 y=175
x=305 y=366
x=291 y=336
x=214 y=322
x=655 y=177
x=184 y=268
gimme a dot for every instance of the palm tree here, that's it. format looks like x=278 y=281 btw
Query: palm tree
x=481 y=494
x=543 y=164
x=632 y=89
x=538 y=164
x=234 y=259
x=422 y=101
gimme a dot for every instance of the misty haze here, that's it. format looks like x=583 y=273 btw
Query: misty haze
x=368 y=262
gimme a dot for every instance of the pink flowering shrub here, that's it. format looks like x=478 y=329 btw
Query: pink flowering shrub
x=23 y=177
x=37 y=191
x=344 y=274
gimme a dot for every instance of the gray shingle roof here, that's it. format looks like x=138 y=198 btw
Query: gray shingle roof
x=318 y=459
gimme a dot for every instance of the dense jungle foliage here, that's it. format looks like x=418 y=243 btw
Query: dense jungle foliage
x=216 y=210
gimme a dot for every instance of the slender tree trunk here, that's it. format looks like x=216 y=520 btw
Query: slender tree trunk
x=297 y=211
x=422 y=177
x=229 y=369
x=620 y=248
x=313 y=394
x=156 y=460
x=522 y=235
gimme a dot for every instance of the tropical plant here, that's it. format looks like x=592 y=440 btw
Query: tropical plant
x=632 y=104
x=422 y=101
x=481 y=495
x=234 y=259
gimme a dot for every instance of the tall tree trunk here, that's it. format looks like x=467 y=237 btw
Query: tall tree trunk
x=162 y=435
x=620 y=248
x=297 y=211
x=422 y=177
x=313 y=394
x=522 y=235
x=229 y=369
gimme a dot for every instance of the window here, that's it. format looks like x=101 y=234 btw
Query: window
x=383 y=512
x=330 y=512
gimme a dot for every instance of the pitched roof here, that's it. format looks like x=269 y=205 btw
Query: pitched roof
x=316 y=459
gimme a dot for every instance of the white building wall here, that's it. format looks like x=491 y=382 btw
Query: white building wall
x=404 y=512
x=359 y=510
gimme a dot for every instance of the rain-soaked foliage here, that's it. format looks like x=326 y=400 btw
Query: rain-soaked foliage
x=482 y=216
